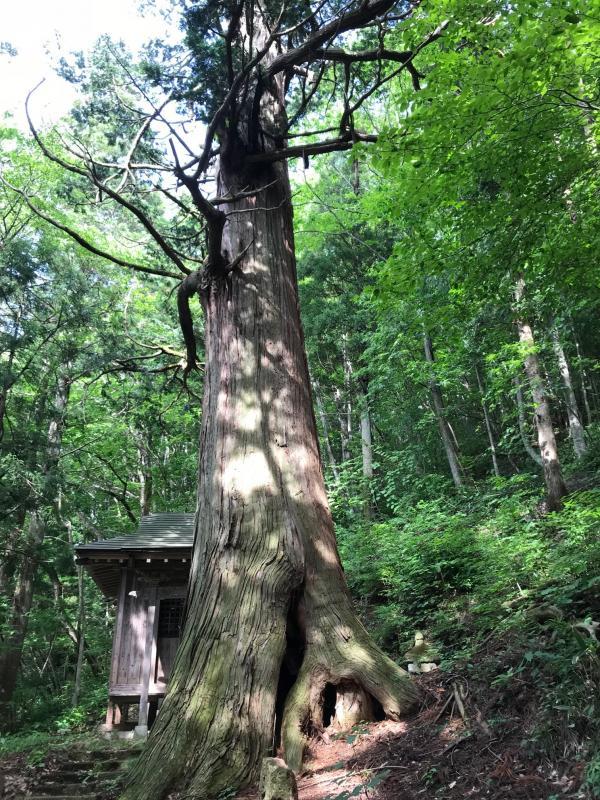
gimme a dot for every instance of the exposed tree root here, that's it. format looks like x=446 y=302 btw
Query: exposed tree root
x=340 y=654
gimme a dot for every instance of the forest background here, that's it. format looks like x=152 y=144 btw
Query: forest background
x=449 y=293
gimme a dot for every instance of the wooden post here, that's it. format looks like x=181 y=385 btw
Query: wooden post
x=114 y=667
x=110 y=716
x=142 y=726
x=112 y=710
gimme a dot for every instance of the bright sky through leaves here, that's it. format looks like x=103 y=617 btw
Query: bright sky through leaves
x=43 y=31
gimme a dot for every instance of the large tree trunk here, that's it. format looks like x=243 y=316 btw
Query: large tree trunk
x=439 y=409
x=269 y=622
x=573 y=413
x=555 y=485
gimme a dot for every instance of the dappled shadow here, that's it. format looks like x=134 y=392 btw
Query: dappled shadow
x=264 y=542
x=437 y=752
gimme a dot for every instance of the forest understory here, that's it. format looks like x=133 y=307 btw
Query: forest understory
x=467 y=739
x=326 y=272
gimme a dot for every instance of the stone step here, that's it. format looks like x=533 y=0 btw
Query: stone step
x=74 y=775
x=121 y=753
x=84 y=767
x=94 y=796
x=67 y=789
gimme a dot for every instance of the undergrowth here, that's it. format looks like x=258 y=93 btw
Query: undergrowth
x=502 y=590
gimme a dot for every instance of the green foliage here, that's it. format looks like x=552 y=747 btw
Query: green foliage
x=65 y=315
x=488 y=173
x=592 y=776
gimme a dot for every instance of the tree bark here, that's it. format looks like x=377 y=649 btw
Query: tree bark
x=367 y=455
x=555 y=485
x=439 y=410
x=269 y=618
x=325 y=427
x=488 y=423
x=531 y=451
x=573 y=413
x=12 y=646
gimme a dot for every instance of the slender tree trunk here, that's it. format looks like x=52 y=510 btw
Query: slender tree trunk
x=144 y=472
x=488 y=423
x=531 y=451
x=582 y=383
x=12 y=647
x=439 y=410
x=269 y=619
x=325 y=427
x=347 y=386
x=573 y=412
x=555 y=484
x=343 y=423
x=367 y=455
x=80 y=637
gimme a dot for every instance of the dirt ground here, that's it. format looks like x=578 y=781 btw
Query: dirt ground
x=447 y=750
x=466 y=741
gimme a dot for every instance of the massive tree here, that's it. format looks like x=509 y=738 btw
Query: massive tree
x=271 y=640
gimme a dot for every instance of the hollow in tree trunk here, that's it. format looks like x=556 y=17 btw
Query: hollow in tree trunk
x=270 y=626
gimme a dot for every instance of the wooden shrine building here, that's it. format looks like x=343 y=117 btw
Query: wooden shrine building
x=146 y=573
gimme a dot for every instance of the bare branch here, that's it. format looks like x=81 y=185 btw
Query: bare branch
x=138 y=138
x=311 y=148
x=366 y=13
x=85 y=243
x=90 y=174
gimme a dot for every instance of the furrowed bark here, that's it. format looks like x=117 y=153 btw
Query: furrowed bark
x=265 y=559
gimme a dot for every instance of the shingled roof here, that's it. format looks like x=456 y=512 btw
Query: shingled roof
x=156 y=532
x=162 y=543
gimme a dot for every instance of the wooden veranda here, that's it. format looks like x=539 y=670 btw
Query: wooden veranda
x=146 y=573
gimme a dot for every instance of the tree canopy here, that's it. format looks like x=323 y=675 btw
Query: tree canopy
x=443 y=163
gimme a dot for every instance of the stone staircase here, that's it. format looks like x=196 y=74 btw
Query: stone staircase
x=82 y=774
